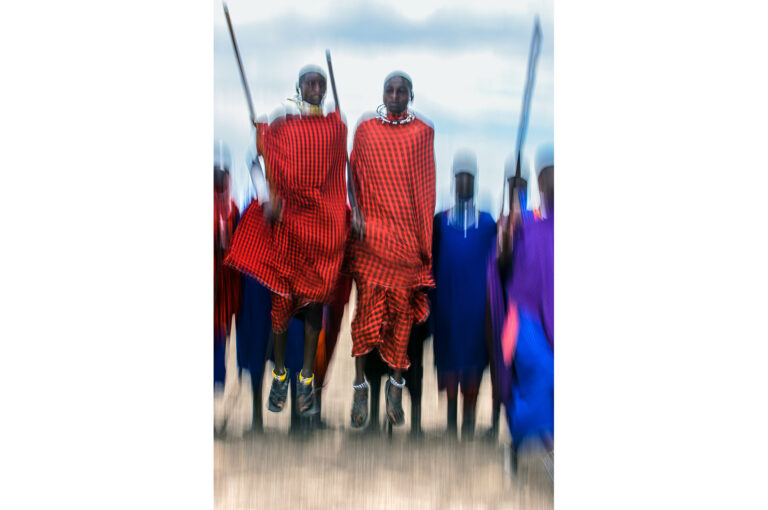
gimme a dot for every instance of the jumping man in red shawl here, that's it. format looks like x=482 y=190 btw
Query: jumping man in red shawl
x=294 y=242
x=390 y=255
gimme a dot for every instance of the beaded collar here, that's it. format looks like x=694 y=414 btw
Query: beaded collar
x=307 y=109
x=390 y=118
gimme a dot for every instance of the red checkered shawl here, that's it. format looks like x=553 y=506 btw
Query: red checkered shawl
x=226 y=281
x=394 y=171
x=301 y=255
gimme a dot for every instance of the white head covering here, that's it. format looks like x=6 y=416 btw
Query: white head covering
x=311 y=68
x=403 y=75
x=545 y=156
x=464 y=160
x=221 y=158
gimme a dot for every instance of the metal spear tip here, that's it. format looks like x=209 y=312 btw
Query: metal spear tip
x=328 y=54
x=226 y=9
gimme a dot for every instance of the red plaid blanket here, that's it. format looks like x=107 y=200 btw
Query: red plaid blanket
x=394 y=171
x=301 y=255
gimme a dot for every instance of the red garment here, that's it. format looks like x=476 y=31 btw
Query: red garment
x=226 y=281
x=383 y=321
x=394 y=171
x=301 y=255
x=331 y=328
x=283 y=308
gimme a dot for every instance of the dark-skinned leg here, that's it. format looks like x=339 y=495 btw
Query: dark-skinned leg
x=280 y=344
x=360 y=396
x=452 y=395
x=375 y=385
x=360 y=369
x=395 y=338
x=278 y=391
x=493 y=434
x=414 y=376
x=373 y=372
x=416 y=417
x=257 y=424
x=313 y=316
x=468 y=414
x=395 y=394
x=312 y=328
x=295 y=418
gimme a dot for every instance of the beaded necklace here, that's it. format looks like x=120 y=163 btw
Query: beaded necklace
x=383 y=116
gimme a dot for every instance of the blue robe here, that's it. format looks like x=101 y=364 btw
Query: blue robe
x=459 y=299
x=219 y=359
x=253 y=327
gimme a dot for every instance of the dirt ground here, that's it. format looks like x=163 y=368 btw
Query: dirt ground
x=340 y=467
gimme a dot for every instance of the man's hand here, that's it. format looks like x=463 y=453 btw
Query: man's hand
x=358 y=224
x=273 y=210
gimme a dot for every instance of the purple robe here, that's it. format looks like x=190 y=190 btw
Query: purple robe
x=498 y=298
x=529 y=336
x=532 y=284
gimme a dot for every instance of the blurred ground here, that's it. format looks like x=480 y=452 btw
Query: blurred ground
x=340 y=467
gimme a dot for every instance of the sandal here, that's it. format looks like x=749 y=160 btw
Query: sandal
x=359 y=413
x=305 y=395
x=395 y=404
x=278 y=393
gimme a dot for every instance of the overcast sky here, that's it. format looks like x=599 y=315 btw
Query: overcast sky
x=467 y=62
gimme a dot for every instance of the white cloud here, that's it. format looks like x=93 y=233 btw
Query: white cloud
x=247 y=11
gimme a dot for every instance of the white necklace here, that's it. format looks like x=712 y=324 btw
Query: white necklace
x=381 y=113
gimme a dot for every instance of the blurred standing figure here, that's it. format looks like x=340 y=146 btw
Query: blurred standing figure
x=498 y=272
x=463 y=238
x=226 y=281
x=390 y=253
x=253 y=323
x=293 y=241
x=253 y=329
x=528 y=336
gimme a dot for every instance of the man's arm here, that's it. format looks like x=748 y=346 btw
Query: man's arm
x=273 y=204
x=426 y=197
x=355 y=169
